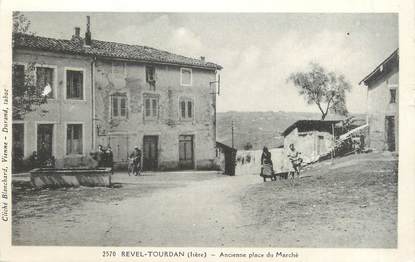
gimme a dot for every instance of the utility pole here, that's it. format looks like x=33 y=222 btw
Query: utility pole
x=232 y=134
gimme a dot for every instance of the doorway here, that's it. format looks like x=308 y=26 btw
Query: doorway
x=45 y=141
x=150 y=153
x=186 y=153
x=390 y=132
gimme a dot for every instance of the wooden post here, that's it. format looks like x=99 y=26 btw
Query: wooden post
x=232 y=136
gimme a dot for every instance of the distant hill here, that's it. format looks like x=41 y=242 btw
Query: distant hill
x=259 y=128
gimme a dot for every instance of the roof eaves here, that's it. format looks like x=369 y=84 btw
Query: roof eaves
x=102 y=53
x=369 y=76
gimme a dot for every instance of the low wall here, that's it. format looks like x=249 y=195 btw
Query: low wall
x=55 y=178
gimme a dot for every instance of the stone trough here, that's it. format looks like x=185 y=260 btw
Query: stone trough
x=70 y=177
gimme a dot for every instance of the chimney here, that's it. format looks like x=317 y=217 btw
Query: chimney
x=202 y=58
x=88 y=39
x=77 y=34
x=77 y=31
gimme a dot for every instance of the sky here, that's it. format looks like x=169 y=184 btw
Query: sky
x=258 y=51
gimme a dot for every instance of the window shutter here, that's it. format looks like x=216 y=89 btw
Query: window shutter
x=68 y=85
x=68 y=139
x=81 y=85
x=154 y=108
x=112 y=105
x=183 y=109
x=189 y=109
x=122 y=106
x=147 y=102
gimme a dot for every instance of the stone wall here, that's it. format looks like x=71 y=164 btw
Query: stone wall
x=123 y=134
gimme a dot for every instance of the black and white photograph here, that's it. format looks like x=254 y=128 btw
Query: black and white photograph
x=204 y=129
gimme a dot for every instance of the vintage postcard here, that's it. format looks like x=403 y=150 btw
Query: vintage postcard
x=207 y=135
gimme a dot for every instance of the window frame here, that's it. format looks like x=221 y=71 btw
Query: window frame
x=181 y=76
x=153 y=81
x=119 y=97
x=55 y=77
x=66 y=138
x=80 y=69
x=186 y=100
x=151 y=98
x=393 y=87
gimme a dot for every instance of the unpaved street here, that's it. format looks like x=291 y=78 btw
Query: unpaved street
x=351 y=202
x=158 y=209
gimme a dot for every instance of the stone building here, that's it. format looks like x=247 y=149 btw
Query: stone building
x=127 y=96
x=62 y=127
x=312 y=138
x=383 y=104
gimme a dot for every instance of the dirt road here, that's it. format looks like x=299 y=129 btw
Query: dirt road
x=201 y=209
x=350 y=203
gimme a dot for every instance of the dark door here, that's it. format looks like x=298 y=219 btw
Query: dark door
x=44 y=141
x=150 y=152
x=230 y=156
x=18 y=141
x=390 y=132
x=186 y=152
x=320 y=145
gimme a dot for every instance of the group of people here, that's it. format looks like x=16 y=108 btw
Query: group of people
x=293 y=155
x=41 y=160
x=105 y=157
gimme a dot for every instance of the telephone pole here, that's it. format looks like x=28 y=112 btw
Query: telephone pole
x=232 y=134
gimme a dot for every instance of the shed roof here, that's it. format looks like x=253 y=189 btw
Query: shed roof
x=225 y=147
x=383 y=68
x=311 y=125
x=110 y=50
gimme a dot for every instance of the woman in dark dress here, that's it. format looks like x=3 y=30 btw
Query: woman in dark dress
x=267 y=169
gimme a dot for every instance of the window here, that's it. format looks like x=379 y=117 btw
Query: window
x=74 y=139
x=150 y=74
x=74 y=84
x=151 y=107
x=392 y=96
x=186 y=109
x=119 y=105
x=44 y=78
x=18 y=80
x=186 y=76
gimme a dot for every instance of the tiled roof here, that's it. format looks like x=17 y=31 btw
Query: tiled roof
x=106 y=49
x=311 y=125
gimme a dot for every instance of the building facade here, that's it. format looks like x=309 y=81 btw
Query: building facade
x=119 y=96
x=383 y=104
x=61 y=127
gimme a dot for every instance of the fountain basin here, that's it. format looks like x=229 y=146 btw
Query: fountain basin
x=70 y=177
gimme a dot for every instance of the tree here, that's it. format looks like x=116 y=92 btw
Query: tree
x=27 y=95
x=21 y=23
x=325 y=89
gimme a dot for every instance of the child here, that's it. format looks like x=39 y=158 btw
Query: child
x=296 y=161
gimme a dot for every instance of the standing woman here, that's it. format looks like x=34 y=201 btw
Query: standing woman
x=266 y=156
x=267 y=169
